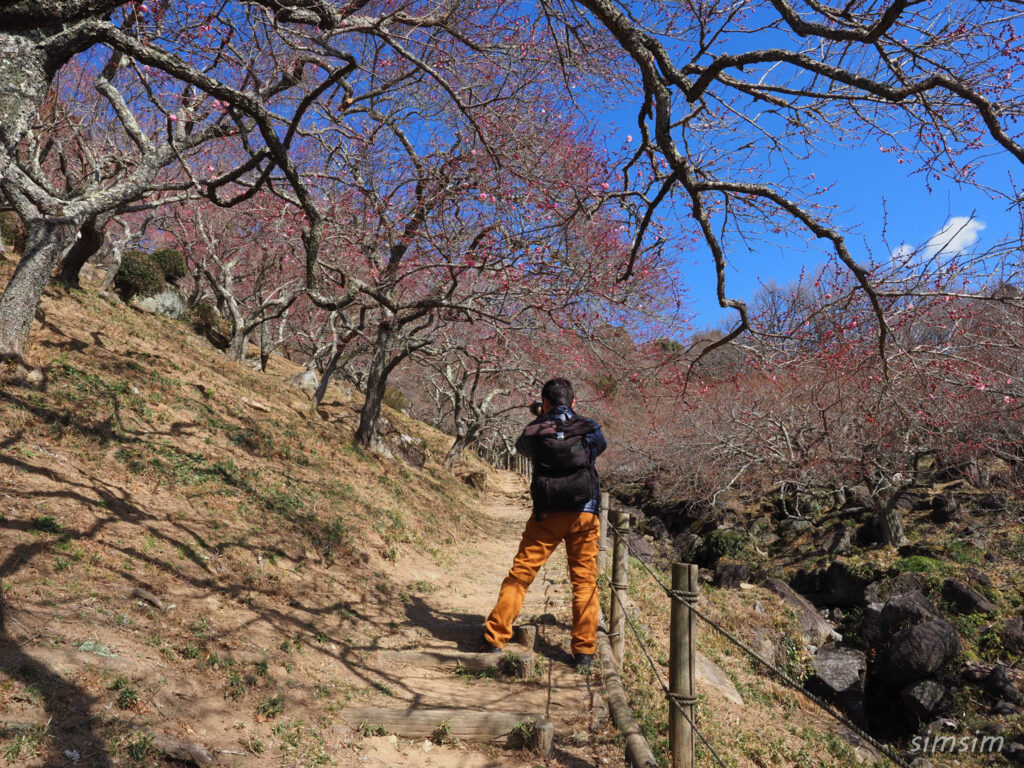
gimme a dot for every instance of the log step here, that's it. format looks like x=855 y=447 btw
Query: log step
x=509 y=728
x=522 y=664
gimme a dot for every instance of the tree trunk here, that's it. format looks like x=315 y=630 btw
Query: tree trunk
x=455 y=452
x=238 y=346
x=47 y=243
x=325 y=377
x=89 y=241
x=381 y=365
x=890 y=521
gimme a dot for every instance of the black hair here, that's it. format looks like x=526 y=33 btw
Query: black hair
x=558 y=392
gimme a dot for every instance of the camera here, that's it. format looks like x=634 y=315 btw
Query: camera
x=536 y=407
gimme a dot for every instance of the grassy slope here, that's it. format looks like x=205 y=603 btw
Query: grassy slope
x=148 y=462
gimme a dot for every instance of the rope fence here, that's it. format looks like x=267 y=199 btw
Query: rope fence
x=679 y=690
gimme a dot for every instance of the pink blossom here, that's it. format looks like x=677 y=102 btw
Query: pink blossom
x=173 y=118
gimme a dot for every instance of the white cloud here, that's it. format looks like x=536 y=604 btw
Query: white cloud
x=958 y=235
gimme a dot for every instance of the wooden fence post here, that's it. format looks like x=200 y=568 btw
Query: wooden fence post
x=620 y=578
x=681 y=659
x=602 y=541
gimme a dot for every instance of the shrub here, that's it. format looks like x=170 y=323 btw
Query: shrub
x=721 y=544
x=172 y=264
x=138 y=275
x=207 y=321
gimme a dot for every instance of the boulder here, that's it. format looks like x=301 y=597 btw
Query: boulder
x=655 y=527
x=965 y=600
x=687 y=545
x=411 y=450
x=792 y=527
x=169 y=302
x=815 y=629
x=307 y=381
x=710 y=674
x=841 y=586
x=838 y=539
x=924 y=699
x=880 y=591
x=476 y=480
x=731 y=575
x=918 y=652
x=998 y=686
x=837 y=671
x=640 y=547
x=945 y=508
x=898 y=613
x=1012 y=636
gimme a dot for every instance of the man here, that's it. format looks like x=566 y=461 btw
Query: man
x=565 y=493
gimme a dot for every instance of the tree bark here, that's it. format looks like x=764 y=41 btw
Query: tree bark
x=239 y=344
x=47 y=242
x=382 y=363
x=88 y=243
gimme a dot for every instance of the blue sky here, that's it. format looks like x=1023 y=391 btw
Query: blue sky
x=875 y=192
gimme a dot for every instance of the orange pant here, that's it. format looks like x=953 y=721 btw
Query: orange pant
x=579 y=531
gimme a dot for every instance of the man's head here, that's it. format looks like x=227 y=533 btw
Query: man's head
x=558 y=392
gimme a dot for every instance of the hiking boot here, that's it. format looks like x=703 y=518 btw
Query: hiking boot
x=583 y=662
x=485 y=647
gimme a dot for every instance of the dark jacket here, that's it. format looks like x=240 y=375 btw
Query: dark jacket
x=531 y=443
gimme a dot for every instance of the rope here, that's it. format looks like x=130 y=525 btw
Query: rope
x=675 y=699
x=691 y=598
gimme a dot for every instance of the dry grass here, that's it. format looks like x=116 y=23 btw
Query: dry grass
x=149 y=467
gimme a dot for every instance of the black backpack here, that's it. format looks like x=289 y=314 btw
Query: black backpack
x=564 y=477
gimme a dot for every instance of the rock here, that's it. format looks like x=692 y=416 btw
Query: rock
x=687 y=545
x=307 y=381
x=792 y=527
x=477 y=480
x=945 y=508
x=941 y=725
x=839 y=539
x=411 y=450
x=992 y=502
x=998 y=686
x=731 y=575
x=841 y=586
x=979 y=577
x=976 y=672
x=1012 y=636
x=710 y=674
x=923 y=699
x=880 y=591
x=838 y=671
x=965 y=600
x=918 y=652
x=655 y=527
x=640 y=548
x=169 y=303
x=1015 y=752
x=816 y=630
x=920 y=762
x=1006 y=708
x=898 y=613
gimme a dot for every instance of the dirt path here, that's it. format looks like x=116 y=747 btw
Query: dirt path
x=449 y=618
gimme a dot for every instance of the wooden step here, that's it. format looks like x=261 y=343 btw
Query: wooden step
x=522 y=665
x=508 y=728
